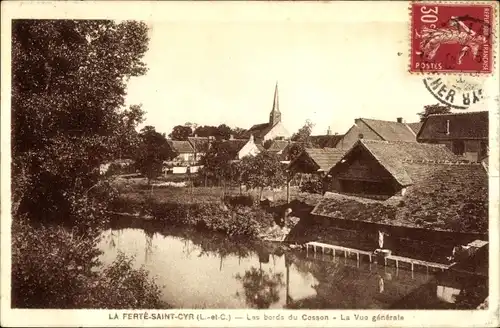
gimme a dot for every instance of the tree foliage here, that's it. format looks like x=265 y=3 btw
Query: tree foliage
x=295 y=150
x=206 y=131
x=220 y=132
x=181 y=132
x=151 y=153
x=261 y=171
x=304 y=133
x=68 y=88
x=239 y=133
x=217 y=166
x=224 y=131
x=434 y=109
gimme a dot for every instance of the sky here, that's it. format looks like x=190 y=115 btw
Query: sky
x=332 y=62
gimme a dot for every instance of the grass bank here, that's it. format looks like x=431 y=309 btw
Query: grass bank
x=229 y=211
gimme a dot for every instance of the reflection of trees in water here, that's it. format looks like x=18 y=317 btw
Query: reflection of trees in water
x=208 y=242
x=343 y=286
x=149 y=245
x=261 y=288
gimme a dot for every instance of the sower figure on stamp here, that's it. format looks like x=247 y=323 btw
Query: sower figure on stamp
x=456 y=32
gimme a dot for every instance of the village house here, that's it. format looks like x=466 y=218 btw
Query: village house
x=274 y=129
x=328 y=140
x=240 y=148
x=465 y=134
x=372 y=129
x=281 y=148
x=200 y=146
x=374 y=167
x=428 y=201
x=185 y=153
x=317 y=161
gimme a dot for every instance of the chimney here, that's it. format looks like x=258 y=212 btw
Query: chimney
x=328 y=131
x=231 y=137
x=196 y=135
x=357 y=120
x=399 y=120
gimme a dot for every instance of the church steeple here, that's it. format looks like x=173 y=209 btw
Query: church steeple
x=275 y=115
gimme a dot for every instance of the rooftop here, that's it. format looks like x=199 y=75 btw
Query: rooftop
x=199 y=144
x=443 y=196
x=390 y=130
x=391 y=155
x=181 y=146
x=326 y=141
x=464 y=125
x=322 y=158
x=259 y=130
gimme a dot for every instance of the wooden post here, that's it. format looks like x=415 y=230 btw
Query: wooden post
x=288 y=191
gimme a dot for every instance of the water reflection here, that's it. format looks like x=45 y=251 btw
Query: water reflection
x=202 y=270
x=261 y=289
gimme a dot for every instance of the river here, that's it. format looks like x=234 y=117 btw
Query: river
x=208 y=270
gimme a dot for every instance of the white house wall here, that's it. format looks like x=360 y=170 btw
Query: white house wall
x=277 y=131
x=249 y=149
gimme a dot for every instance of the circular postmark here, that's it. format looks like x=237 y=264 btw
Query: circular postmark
x=457 y=92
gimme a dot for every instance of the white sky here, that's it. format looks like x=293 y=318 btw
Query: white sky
x=333 y=63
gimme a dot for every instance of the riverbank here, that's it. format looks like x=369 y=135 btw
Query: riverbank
x=214 y=209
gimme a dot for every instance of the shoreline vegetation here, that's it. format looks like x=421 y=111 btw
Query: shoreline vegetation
x=231 y=212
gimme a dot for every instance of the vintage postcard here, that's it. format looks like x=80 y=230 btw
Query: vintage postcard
x=250 y=164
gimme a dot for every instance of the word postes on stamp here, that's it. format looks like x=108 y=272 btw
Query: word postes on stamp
x=451 y=38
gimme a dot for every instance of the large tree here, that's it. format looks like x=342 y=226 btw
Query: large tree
x=216 y=163
x=224 y=131
x=205 y=131
x=152 y=151
x=181 y=132
x=68 y=87
x=261 y=171
x=433 y=109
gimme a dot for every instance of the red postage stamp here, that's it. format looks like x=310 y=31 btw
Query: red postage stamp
x=451 y=37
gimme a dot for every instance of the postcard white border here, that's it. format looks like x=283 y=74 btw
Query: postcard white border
x=228 y=11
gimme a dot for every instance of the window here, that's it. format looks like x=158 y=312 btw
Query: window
x=458 y=147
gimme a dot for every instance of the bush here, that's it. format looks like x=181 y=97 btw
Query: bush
x=240 y=200
x=53 y=267
x=314 y=186
x=239 y=220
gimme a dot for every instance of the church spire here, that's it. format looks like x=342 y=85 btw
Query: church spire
x=275 y=116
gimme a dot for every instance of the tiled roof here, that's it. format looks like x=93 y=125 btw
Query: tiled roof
x=392 y=154
x=200 y=144
x=391 y=131
x=259 y=130
x=466 y=125
x=453 y=196
x=181 y=147
x=329 y=141
x=444 y=196
x=324 y=158
x=415 y=127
